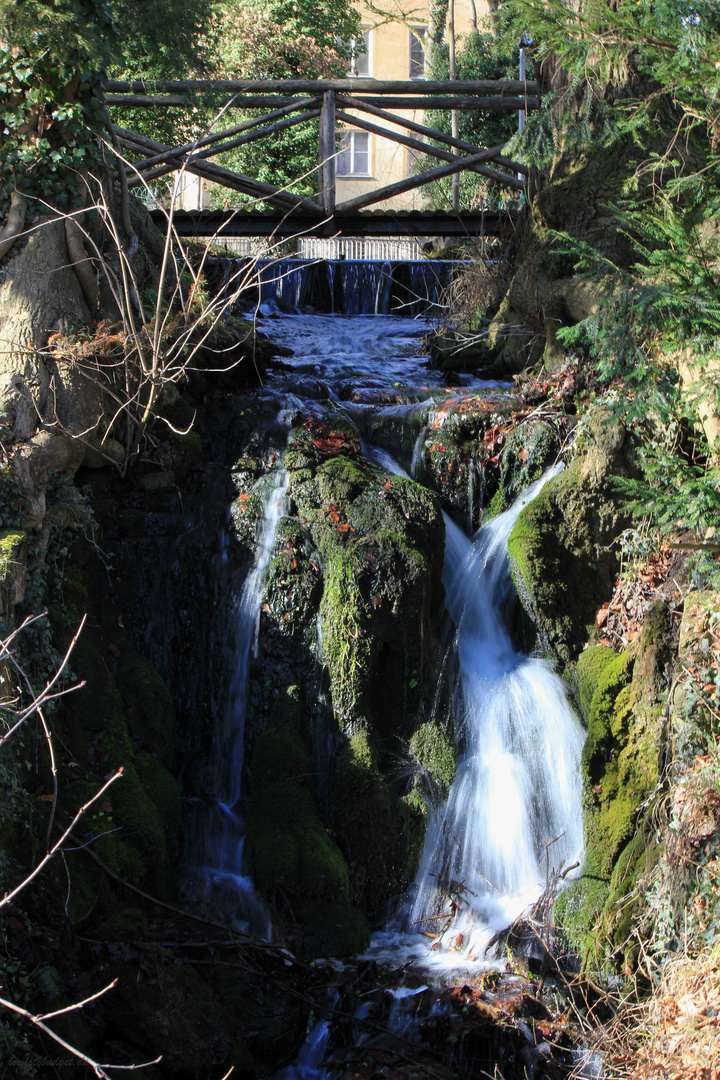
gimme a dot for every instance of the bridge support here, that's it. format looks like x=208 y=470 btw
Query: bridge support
x=327 y=153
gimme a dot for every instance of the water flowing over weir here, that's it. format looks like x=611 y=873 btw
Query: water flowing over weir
x=348 y=286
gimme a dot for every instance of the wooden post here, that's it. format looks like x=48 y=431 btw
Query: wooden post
x=327 y=153
x=454 y=127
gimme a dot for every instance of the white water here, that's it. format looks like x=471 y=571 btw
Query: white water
x=515 y=808
x=214 y=829
x=517 y=787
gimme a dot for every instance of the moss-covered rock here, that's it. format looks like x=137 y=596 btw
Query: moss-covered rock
x=590 y=666
x=120 y=718
x=560 y=553
x=528 y=450
x=13 y=564
x=381 y=833
x=621 y=765
x=151 y=714
x=433 y=755
x=291 y=854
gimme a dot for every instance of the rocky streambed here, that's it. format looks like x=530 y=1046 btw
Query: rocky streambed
x=270 y=655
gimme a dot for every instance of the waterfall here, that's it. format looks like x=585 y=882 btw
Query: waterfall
x=517 y=795
x=346 y=286
x=214 y=828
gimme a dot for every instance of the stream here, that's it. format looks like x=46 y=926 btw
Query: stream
x=514 y=810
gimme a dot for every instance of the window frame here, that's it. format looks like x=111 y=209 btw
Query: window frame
x=353 y=73
x=352 y=134
x=418 y=34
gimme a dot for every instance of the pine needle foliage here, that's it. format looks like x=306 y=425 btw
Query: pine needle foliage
x=646 y=76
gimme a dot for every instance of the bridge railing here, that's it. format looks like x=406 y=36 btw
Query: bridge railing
x=360 y=103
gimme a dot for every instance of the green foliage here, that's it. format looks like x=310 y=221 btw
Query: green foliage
x=627 y=66
x=51 y=57
x=641 y=81
x=290 y=851
x=281 y=40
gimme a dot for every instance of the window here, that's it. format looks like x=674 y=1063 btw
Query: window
x=360 y=62
x=354 y=157
x=417 y=53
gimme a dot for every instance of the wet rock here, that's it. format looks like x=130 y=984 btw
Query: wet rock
x=560 y=548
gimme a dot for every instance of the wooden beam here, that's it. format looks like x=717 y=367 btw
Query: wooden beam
x=464 y=103
x=257 y=189
x=219 y=223
x=428 y=148
x=421 y=87
x=174 y=160
x=327 y=153
x=410 y=183
x=218 y=136
x=422 y=129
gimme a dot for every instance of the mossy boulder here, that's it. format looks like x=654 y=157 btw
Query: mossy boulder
x=528 y=450
x=433 y=757
x=560 y=554
x=590 y=666
x=621 y=766
x=290 y=852
x=122 y=716
x=381 y=832
x=379 y=540
x=13 y=565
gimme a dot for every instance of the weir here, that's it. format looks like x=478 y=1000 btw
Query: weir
x=411 y=288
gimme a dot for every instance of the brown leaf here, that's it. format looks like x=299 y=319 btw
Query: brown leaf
x=113 y=649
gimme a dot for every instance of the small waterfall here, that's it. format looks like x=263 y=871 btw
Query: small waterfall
x=214 y=828
x=345 y=286
x=517 y=787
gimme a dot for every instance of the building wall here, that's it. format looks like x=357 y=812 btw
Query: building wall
x=389 y=58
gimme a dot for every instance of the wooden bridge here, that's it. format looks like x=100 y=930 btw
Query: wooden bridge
x=355 y=103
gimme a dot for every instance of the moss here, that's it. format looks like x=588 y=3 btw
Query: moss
x=602 y=744
x=560 y=547
x=290 y=850
x=182 y=453
x=130 y=924
x=435 y=756
x=620 y=764
x=162 y=790
x=528 y=450
x=141 y=823
x=152 y=715
x=590 y=666
x=382 y=834
x=579 y=908
x=335 y=930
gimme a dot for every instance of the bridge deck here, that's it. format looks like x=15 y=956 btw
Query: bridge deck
x=378 y=223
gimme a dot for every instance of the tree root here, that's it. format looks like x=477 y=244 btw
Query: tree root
x=15 y=222
x=81 y=263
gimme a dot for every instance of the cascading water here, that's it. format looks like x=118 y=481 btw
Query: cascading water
x=517 y=787
x=214 y=829
x=517 y=791
x=350 y=286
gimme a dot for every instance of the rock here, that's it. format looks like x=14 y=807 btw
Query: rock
x=560 y=548
x=105 y=452
x=156 y=481
x=621 y=766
